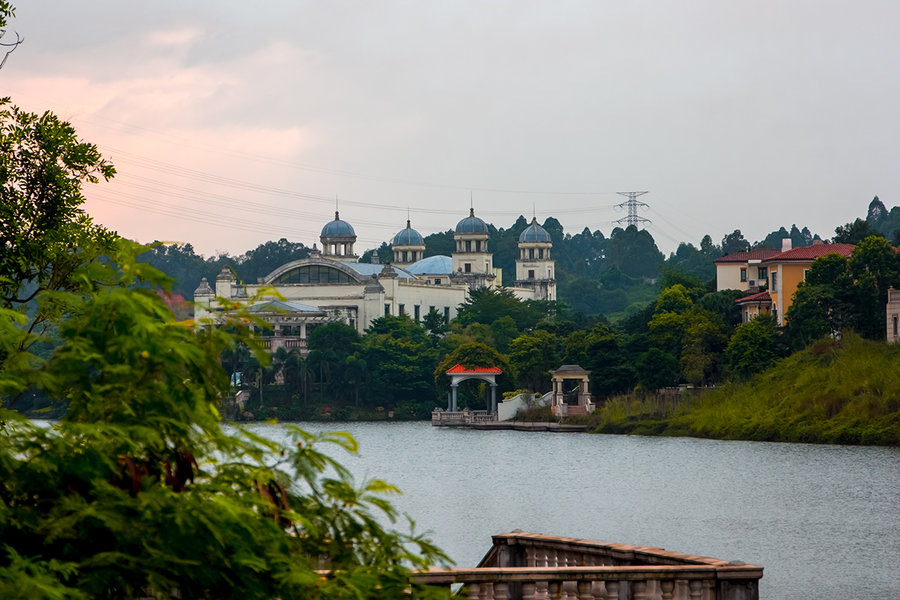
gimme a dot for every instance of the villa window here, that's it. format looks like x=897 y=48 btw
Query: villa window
x=895 y=326
x=446 y=314
x=402 y=309
x=743 y=274
x=387 y=309
x=531 y=253
x=540 y=253
x=775 y=282
x=530 y=273
x=437 y=281
x=416 y=312
x=468 y=245
x=468 y=268
x=763 y=272
x=404 y=256
x=477 y=245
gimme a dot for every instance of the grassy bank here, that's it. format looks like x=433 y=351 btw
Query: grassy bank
x=843 y=392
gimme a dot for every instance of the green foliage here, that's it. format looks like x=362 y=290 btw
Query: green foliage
x=841 y=293
x=44 y=233
x=799 y=238
x=487 y=305
x=853 y=233
x=634 y=252
x=734 y=242
x=139 y=491
x=845 y=392
x=657 y=369
x=400 y=359
x=702 y=346
x=754 y=347
x=534 y=355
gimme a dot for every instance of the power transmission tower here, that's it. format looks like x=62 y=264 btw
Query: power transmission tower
x=632 y=204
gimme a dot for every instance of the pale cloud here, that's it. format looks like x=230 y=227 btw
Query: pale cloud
x=178 y=37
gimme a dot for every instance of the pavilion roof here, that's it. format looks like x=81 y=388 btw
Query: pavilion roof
x=458 y=368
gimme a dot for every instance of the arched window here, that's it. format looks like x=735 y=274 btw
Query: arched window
x=321 y=274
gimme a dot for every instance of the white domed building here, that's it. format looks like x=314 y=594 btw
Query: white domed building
x=535 y=270
x=331 y=285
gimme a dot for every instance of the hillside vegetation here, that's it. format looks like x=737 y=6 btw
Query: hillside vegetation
x=836 y=391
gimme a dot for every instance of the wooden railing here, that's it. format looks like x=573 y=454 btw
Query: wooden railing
x=538 y=567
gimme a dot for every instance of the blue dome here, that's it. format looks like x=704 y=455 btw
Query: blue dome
x=471 y=224
x=338 y=228
x=408 y=237
x=433 y=265
x=534 y=233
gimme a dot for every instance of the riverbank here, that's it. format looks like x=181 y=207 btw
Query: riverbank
x=836 y=392
x=550 y=426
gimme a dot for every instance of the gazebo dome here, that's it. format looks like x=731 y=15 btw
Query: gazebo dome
x=534 y=233
x=408 y=237
x=471 y=224
x=338 y=228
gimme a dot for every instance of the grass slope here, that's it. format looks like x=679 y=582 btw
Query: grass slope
x=836 y=392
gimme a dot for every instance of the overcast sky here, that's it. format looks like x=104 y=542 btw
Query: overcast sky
x=231 y=125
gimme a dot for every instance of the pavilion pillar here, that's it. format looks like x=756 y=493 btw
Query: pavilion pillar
x=493 y=398
x=453 y=387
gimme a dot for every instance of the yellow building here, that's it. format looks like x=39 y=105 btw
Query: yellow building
x=787 y=269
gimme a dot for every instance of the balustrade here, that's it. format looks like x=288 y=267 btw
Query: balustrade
x=668 y=582
x=539 y=567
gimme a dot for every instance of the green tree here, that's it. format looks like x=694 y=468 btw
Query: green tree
x=634 y=251
x=45 y=235
x=533 y=356
x=657 y=369
x=753 y=348
x=702 y=346
x=486 y=305
x=400 y=359
x=138 y=491
x=853 y=233
x=734 y=242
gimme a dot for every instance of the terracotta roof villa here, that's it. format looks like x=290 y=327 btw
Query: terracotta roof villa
x=781 y=271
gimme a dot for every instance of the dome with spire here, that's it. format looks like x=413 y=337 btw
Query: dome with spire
x=338 y=228
x=408 y=237
x=471 y=224
x=534 y=233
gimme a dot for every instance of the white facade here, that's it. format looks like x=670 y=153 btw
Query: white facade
x=342 y=289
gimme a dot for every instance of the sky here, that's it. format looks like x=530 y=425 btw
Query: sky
x=232 y=125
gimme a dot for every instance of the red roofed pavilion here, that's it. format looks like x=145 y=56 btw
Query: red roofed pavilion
x=458 y=373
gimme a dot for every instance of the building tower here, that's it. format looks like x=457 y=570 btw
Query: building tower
x=337 y=239
x=535 y=269
x=408 y=246
x=472 y=263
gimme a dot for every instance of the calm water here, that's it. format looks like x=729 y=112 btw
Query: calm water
x=824 y=521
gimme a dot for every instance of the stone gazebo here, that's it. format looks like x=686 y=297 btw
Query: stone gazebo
x=453 y=416
x=584 y=404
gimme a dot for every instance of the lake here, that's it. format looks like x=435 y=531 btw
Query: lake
x=824 y=521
